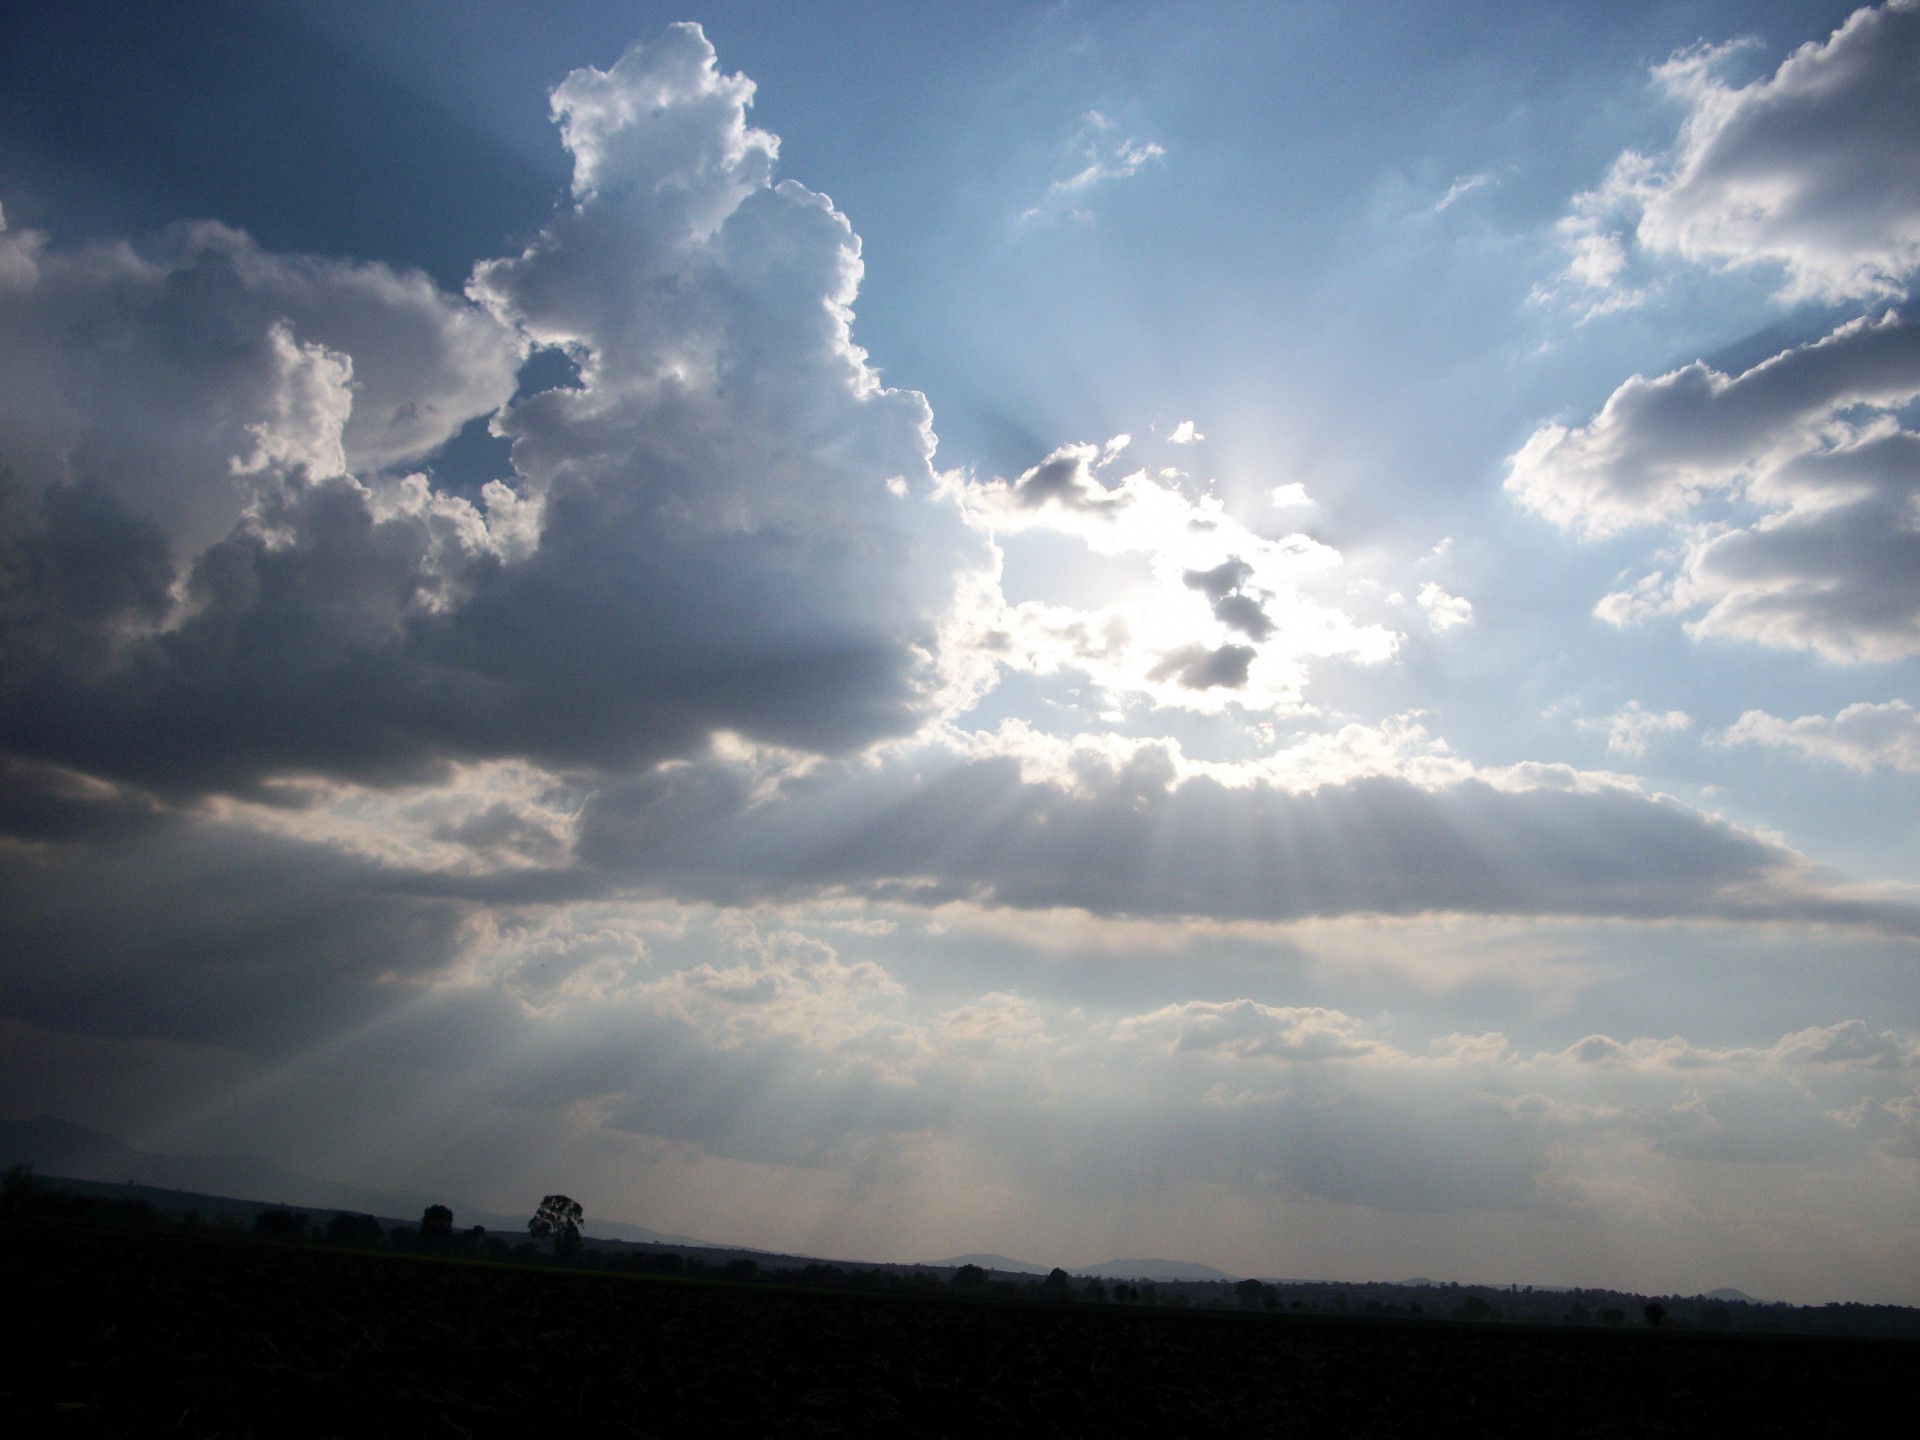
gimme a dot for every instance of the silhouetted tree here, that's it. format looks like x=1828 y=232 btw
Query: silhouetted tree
x=436 y=1225
x=1655 y=1312
x=970 y=1277
x=1249 y=1293
x=558 y=1218
x=17 y=1191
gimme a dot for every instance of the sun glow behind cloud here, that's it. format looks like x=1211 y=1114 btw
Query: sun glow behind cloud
x=1216 y=616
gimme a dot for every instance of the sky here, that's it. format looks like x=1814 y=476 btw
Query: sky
x=1279 y=635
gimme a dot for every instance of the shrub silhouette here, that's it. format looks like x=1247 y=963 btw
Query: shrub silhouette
x=280 y=1224
x=17 y=1191
x=362 y=1231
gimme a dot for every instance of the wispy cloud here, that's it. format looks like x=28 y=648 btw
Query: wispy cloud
x=1462 y=187
x=1097 y=154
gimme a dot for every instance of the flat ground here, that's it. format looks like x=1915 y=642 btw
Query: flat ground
x=131 y=1333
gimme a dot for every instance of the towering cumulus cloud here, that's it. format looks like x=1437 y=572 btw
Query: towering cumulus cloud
x=217 y=570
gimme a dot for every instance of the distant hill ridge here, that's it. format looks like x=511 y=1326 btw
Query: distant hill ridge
x=53 y=1146
x=986 y=1261
x=1153 y=1269
x=60 y=1148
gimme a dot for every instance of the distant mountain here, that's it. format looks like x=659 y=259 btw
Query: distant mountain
x=1727 y=1292
x=993 y=1262
x=56 y=1147
x=1152 y=1270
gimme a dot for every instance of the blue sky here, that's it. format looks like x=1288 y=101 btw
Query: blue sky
x=1284 y=635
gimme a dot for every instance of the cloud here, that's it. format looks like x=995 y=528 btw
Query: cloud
x=1444 y=611
x=1097 y=155
x=219 y=935
x=1184 y=434
x=215 y=575
x=187 y=377
x=1220 y=614
x=1248 y=1030
x=1836 y=572
x=1805 y=453
x=1065 y=478
x=1231 y=606
x=1659 y=446
x=759 y=1041
x=1630 y=729
x=1462 y=187
x=1122 y=834
x=1863 y=737
x=1794 y=481
x=1809 y=169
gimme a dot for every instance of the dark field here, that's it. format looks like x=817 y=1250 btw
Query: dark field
x=129 y=1333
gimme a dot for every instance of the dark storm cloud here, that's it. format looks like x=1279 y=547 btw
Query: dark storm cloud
x=41 y=802
x=1131 y=841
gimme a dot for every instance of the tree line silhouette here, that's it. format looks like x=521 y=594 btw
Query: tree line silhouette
x=554 y=1238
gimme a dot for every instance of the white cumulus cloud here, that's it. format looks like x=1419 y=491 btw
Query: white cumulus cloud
x=1631 y=728
x=1862 y=737
x=1444 y=611
x=1811 y=169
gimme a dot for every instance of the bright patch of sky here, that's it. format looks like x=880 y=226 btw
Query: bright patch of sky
x=1285 y=635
